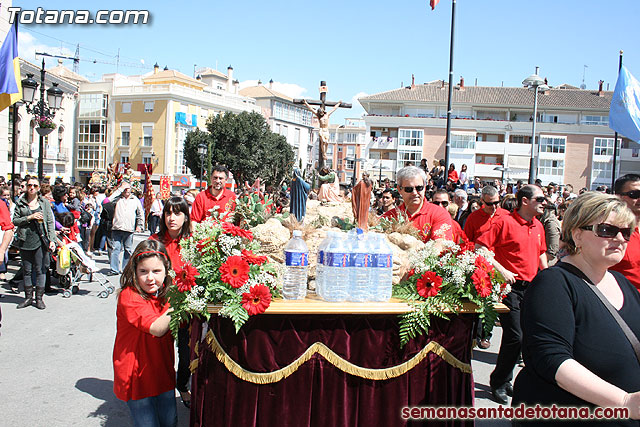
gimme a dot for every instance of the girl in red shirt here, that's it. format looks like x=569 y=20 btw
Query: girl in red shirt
x=143 y=351
x=175 y=225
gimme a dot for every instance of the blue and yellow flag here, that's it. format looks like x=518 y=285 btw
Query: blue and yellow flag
x=624 y=115
x=10 y=81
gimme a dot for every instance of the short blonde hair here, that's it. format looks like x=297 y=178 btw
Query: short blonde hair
x=453 y=209
x=588 y=209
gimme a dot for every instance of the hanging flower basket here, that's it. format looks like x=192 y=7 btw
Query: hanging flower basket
x=44 y=131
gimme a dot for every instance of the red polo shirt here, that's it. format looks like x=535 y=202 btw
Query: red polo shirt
x=432 y=221
x=205 y=201
x=479 y=221
x=5 y=218
x=630 y=264
x=517 y=244
x=142 y=363
x=173 y=249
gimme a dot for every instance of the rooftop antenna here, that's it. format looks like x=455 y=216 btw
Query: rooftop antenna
x=584 y=72
x=117 y=60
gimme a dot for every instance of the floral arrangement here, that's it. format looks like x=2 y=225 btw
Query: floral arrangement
x=45 y=122
x=442 y=276
x=221 y=266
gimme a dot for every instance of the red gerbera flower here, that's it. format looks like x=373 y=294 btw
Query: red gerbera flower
x=482 y=282
x=428 y=284
x=235 y=271
x=411 y=273
x=186 y=277
x=256 y=300
x=465 y=247
x=252 y=258
x=229 y=228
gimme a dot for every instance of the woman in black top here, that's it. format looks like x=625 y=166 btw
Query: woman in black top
x=575 y=352
x=35 y=236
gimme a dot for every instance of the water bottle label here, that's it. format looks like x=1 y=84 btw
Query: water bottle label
x=296 y=259
x=320 y=257
x=359 y=260
x=337 y=259
x=373 y=260
x=384 y=261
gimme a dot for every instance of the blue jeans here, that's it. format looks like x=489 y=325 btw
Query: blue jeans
x=120 y=240
x=154 y=411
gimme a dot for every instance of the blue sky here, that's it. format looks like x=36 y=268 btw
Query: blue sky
x=358 y=47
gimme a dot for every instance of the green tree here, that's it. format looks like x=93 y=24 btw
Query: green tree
x=192 y=158
x=245 y=144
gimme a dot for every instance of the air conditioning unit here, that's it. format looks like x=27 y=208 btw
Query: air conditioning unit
x=385 y=129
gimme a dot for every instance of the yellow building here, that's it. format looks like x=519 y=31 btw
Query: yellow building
x=147 y=119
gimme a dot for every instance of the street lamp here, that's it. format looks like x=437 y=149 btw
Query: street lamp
x=202 y=151
x=44 y=112
x=535 y=83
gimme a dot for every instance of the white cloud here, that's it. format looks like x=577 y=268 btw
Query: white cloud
x=357 y=110
x=28 y=45
x=290 y=89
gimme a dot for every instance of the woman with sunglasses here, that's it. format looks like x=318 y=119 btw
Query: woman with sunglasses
x=35 y=237
x=575 y=352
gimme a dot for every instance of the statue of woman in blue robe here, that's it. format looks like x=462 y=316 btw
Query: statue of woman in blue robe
x=299 y=192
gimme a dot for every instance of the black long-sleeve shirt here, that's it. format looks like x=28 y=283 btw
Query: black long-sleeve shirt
x=563 y=319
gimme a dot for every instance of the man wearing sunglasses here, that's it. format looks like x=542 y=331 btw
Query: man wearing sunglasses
x=480 y=220
x=518 y=242
x=432 y=221
x=627 y=187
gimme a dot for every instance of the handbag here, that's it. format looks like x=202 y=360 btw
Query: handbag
x=43 y=237
x=623 y=325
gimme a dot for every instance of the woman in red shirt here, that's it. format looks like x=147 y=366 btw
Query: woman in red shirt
x=453 y=174
x=175 y=226
x=143 y=351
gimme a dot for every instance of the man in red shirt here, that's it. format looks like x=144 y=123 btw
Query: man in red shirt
x=480 y=220
x=518 y=242
x=216 y=195
x=627 y=187
x=433 y=222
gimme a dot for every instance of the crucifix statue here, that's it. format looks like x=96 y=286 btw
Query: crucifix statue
x=323 y=118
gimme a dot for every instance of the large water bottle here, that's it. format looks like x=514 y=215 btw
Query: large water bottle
x=296 y=256
x=320 y=261
x=359 y=263
x=383 y=267
x=336 y=270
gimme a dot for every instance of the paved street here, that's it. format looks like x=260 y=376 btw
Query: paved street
x=56 y=367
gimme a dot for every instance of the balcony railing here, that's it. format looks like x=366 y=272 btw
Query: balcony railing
x=382 y=142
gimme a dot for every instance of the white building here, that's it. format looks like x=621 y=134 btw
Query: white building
x=491 y=130
x=285 y=118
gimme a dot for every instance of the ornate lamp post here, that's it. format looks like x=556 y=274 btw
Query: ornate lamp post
x=534 y=83
x=202 y=151
x=44 y=112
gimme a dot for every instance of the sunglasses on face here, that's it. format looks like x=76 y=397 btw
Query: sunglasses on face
x=633 y=194
x=539 y=199
x=418 y=188
x=608 y=231
x=33 y=185
x=444 y=203
x=496 y=203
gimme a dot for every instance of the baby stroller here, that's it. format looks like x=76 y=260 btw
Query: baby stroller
x=72 y=264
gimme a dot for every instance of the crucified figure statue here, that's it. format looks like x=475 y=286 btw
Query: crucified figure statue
x=323 y=119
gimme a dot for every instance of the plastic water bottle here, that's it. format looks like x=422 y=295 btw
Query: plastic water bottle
x=320 y=261
x=296 y=256
x=383 y=267
x=359 y=262
x=336 y=270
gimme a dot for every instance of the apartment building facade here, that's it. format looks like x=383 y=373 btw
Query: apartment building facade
x=58 y=145
x=144 y=120
x=491 y=132
x=285 y=118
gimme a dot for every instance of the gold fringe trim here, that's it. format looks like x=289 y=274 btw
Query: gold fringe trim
x=193 y=366
x=337 y=361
